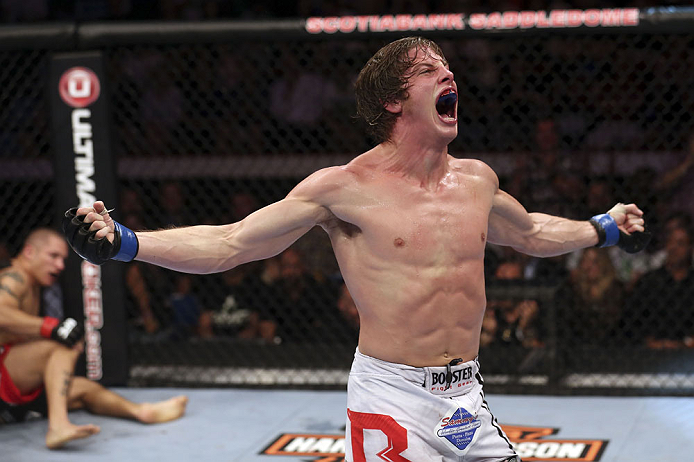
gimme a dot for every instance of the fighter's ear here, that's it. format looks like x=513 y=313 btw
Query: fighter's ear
x=29 y=250
x=394 y=107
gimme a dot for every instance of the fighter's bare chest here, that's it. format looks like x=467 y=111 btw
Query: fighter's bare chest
x=427 y=226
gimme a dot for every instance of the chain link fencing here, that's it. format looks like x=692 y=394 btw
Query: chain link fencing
x=205 y=133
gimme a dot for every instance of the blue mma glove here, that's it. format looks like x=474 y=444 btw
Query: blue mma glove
x=98 y=251
x=609 y=234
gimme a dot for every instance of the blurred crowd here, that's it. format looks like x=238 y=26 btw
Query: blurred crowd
x=197 y=10
x=563 y=94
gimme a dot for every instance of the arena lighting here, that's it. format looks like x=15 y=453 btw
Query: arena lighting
x=507 y=20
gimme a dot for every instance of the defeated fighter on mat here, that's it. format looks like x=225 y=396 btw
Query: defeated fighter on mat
x=408 y=224
x=38 y=354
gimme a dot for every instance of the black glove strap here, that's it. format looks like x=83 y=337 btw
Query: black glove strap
x=634 y=242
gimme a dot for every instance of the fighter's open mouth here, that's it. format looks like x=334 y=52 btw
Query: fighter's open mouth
x=445 y=106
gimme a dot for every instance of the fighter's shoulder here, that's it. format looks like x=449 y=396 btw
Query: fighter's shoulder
x=326 y=181
x=13 y=283
x=476 y=168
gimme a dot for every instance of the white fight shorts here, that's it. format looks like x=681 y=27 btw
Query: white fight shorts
x=402 y=413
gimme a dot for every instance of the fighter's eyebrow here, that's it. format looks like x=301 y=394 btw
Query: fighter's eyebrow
x=429 y=65
x=420 y=65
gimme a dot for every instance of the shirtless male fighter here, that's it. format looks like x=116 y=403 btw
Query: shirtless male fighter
x=38 y=354
x=408 y=224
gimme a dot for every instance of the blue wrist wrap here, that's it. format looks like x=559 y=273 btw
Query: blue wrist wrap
x=128 y=243
x=607 y=223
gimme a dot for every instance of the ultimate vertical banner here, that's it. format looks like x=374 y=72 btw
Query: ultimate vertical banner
x=84 y=172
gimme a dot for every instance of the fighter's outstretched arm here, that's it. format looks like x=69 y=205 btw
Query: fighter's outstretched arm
x=203 y=249
x=544 y=235
x=208 y=249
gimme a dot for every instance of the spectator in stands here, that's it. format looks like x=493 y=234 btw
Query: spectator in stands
x=231 y=87
x=240 y=312
x=600 y=194
x=515 y=321
x=679 y=180
x=139 y=296
x=660 y=307
x=543 y=169
x=678 y=219
x=38 y=354
x=242 y=204
x=590 y=303
x=185 y=308
x=549 y=271
x=131 y=204
x=161 y=110
x=347 y=327
x=172 y=205
x=670 y=191
x=490 y=326
x=301 y=96
x=299 y=300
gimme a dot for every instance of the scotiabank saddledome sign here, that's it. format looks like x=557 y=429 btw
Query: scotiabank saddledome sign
x=507 y=20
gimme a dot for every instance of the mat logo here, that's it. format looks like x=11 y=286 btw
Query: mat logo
x=326 y=448
x=529 y=442
x=79 y=87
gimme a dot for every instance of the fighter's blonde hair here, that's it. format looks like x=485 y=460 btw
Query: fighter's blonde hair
x=38 y=237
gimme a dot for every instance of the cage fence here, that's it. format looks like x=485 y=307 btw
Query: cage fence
x=208 y=132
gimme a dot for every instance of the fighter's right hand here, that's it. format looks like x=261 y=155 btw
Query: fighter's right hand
x=623 y=226
x=68 y=331
x=94 y=236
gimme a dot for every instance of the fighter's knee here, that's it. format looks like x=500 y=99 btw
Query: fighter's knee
x=48 y=346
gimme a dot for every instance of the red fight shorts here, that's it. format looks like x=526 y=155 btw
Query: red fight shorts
x=404 y=413
x=9 y=392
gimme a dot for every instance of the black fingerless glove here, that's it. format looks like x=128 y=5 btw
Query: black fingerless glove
x=68 y=332
x=609 y=234
x=98 y=251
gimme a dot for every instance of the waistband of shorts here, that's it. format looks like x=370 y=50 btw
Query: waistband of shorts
x=463 y=376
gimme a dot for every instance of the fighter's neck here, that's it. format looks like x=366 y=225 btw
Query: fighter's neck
x=427 y=164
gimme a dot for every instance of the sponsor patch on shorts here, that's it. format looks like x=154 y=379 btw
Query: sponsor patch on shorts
x=459 y=428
